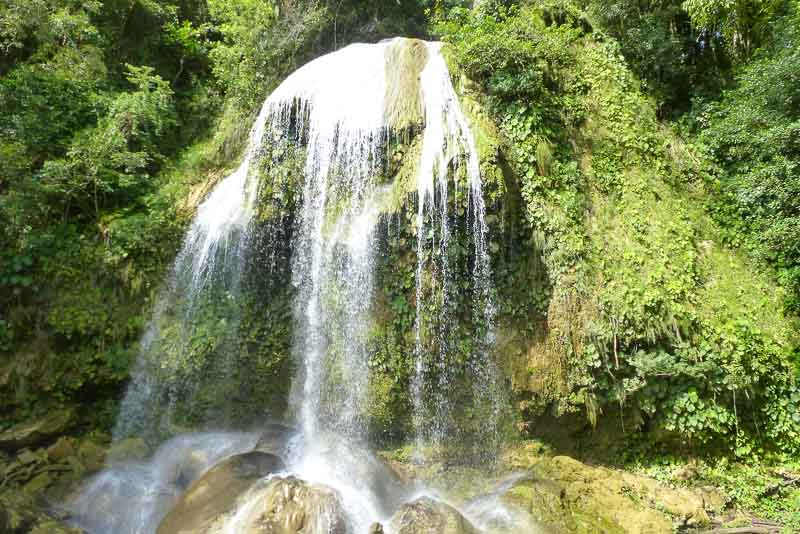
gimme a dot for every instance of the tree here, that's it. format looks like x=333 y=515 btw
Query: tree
x=109 y=160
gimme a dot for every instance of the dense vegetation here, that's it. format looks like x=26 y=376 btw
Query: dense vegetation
x=643 y=173
x=646 y=312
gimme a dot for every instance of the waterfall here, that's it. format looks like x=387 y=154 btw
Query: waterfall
x=343 y=110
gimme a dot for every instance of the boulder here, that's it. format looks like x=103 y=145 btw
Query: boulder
x=38 y=431
x=574 y=497
x=189 y=468
x=291 y=506
x=216 y=492
x=429 y=516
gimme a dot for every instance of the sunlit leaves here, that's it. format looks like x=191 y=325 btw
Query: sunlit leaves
x=113 y=157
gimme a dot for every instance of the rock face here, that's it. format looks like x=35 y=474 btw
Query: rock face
x=36 y=432
x=291 y=506
x=216 y=492
x=428 y=516
x=571 y=496
x=34 y=482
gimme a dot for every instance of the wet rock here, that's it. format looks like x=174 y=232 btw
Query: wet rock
x=274 y=439
x=377 y=477
x=429 y=516
x=135 y=496
x=189 y=468
x=114 y=501
x=571 y=496
x=293 y=506
x=376 y=528
x=216 y=492
x=38 y=431
x=488 y=511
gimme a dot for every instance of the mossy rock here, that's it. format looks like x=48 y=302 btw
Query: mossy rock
x=573 y=497
x=405 y=61
x=543 y=500
x=91 y=456
x=52 y=526
x=64 y=448
x=20 y=514
x=38 y=431
x=38 y=484
x=128 y=449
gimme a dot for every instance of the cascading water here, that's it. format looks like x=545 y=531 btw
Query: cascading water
x=344 y=110
x=209 y=264
x=344 y=129
x=132 y=497
x=448 y=146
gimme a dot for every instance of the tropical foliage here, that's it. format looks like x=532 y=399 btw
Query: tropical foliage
x=642 y=179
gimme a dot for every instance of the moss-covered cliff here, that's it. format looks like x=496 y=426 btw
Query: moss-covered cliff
x=646 y=311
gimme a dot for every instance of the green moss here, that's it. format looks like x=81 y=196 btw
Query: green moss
x=403 y=100
x=394 y=198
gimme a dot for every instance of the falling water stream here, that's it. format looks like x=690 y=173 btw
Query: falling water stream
x=448 y=141
x=333 y=263
x=339 y=108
